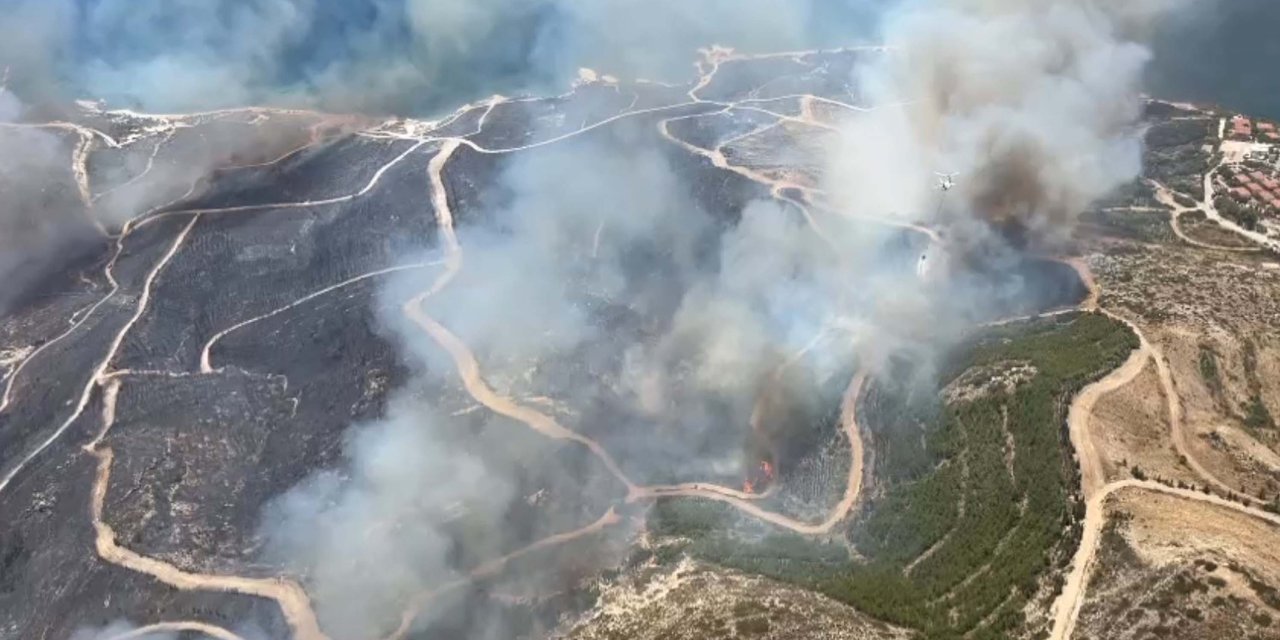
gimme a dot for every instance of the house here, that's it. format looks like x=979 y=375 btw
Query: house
x=1240 y=193
x=1241 y=128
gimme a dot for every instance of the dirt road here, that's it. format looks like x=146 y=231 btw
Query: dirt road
x=494 y=567
x=1093 y=477
x=1164 y=195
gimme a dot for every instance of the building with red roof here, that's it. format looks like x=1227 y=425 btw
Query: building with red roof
x=1241 y=128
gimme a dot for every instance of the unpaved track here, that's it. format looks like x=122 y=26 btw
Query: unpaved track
x=1093 y=477
x=105 y=364
x=293 y=601
x=1173 y=406
x=218 y=633
x=151 y=160
x=469 y=372
x=1212 y=210
x=853 y=483
x=1095 y=490
x=1164 y=195
x=206 y=365
x=373 y=182
x=493 y=567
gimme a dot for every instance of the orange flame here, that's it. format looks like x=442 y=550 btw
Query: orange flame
x=747 y=487
x=767 y=468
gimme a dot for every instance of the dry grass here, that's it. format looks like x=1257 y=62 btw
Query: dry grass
x=1173 y=568
x=1131 y=428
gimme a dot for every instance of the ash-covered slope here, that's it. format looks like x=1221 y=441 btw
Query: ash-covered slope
x=233 y=305
x=222 y=334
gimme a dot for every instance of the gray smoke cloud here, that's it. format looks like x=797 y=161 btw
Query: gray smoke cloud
x=372 y=55
x=118 y=629
x=593 y=277
x=1035 y=103
x=68 y=191
x=381 y=530
x=41 y=216
x=368 y=56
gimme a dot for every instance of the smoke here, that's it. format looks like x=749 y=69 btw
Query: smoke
x=124 y=630
x=118 y=629
x=42 y=220
x=1034 y=103
x=593 y=276
x=400 y=56
x=66 y=190
x=382 y=530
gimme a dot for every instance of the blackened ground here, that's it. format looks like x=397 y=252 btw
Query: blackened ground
x=712 y=130
x=275 y=257
x=198 y=455
x=329 y=170
x=51 y=583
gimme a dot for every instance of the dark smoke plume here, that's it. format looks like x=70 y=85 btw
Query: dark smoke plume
x=1035 y=104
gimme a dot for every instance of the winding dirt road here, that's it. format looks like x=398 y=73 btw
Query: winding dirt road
x=469 y=372
x=1164 y=195
x=1093 y=483
x=293 y=601
x=289 y=595
x=495 y=566
x=1212 y=210
x=217 y=633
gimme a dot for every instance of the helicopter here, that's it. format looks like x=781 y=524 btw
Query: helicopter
x=946 y=181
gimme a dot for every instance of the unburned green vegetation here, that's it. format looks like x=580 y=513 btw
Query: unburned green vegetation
x=971 y=508
x=1139 y=225
x=1177 y=156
